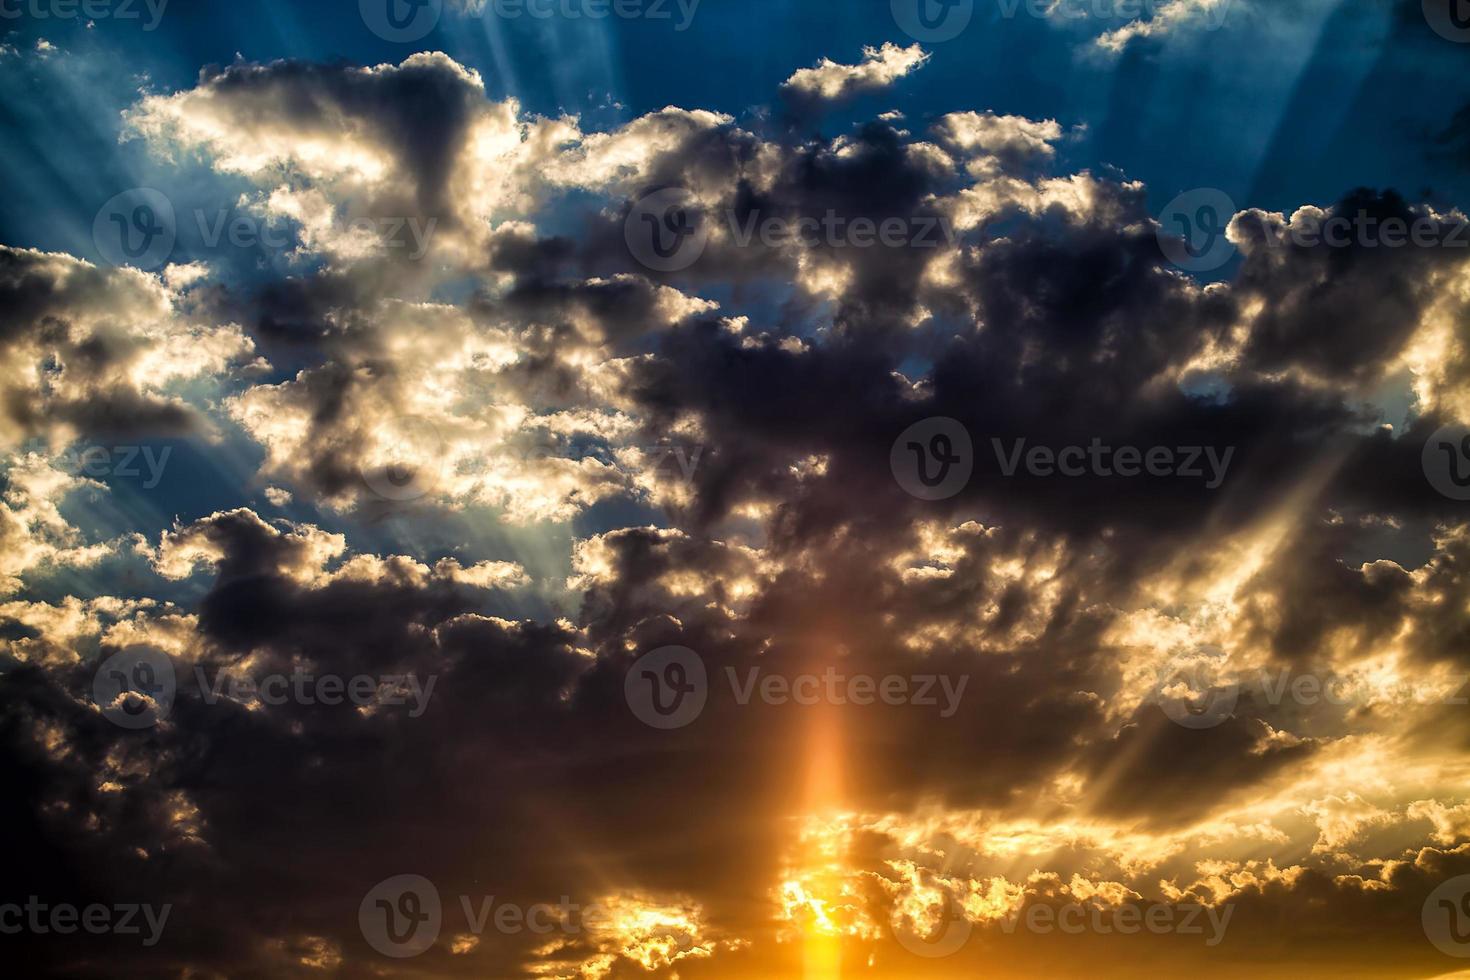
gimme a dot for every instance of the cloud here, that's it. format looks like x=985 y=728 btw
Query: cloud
x=533 y=460
x=833 y=82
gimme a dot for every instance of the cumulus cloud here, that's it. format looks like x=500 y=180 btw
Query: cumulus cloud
x=535 y=459
x=830 y=81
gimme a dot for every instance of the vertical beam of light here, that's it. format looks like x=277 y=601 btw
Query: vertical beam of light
x=822 y=949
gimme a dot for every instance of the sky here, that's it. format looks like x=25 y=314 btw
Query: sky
x=607 y=489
